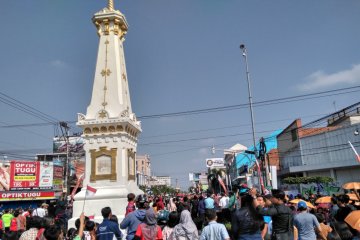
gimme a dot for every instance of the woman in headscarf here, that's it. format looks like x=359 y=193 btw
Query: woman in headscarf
x=169 y=228
x=186 y=229
x=148 y=230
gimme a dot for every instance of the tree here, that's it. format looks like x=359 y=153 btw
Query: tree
x=307 y=180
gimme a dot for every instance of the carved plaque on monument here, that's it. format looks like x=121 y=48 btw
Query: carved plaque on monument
x=131 y=164
x=103 y=164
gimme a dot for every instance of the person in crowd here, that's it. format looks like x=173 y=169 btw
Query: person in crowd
x=281 y=215
x=39 y=211
x=22 y=221
x=90 y=228
x=209 y=201
x=186 y=228
x=232 y=201
x=6 y=218
x=213 y=230
x=2 y=227
x=108 y=229
x=265 y=233
x=131 y=204
x=167 y=232
x=160 y=204
x=307 y=224
x=132 y=221
x=114 y=219
x=246 y=222
x=171 y=206
x=54 y=233
x=344 y=209
x=148 y=230
x=342 y=230
x=33 y=226
x=11 y=236
x=194 y=207
x=71 y=234
x=325 y=229
x=224 y=201
x=27 y=213
x=15 y=222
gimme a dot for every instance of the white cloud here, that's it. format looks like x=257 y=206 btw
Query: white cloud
x=58 y=63
x=320 y=80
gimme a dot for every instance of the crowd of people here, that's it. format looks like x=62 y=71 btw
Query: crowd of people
x=240 y=216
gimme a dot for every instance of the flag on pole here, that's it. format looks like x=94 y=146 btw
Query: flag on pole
x=90 y=191
x=222 y=184
x=79 y=181
x=356 y=153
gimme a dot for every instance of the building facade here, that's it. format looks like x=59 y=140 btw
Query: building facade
x=143 y=169
x=322 y=151
x=160 y=181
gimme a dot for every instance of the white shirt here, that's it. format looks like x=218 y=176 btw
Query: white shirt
x=39 y=212
x=224 y=202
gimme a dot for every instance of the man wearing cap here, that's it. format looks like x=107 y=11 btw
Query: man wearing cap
x=307 y=223
x=281 y=215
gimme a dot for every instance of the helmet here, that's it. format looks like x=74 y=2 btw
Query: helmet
x=141 y=200
x=163 y=215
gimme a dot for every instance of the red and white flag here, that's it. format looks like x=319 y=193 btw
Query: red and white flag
x=90 y=191
x=222 y=184
x=356 y=153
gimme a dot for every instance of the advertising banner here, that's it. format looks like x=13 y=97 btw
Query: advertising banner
x=15 y=196
x=16 y=175
x=215 y=163
x=58 y=178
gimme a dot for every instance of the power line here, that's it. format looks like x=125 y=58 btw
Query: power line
x=26 y=108
x=257 y=104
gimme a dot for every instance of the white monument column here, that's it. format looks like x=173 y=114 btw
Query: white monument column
x=110 y=128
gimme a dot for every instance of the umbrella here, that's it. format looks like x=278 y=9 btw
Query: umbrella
x=296 y=201
x=324 y=205
x=326 y=199
x=353 y=219
x=351 y=185
x=353 y=196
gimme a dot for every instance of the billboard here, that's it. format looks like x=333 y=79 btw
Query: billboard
x=215 y=163
x=75 y=145
x=16 y=175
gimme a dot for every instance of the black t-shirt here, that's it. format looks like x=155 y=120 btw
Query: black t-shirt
x=281 y=215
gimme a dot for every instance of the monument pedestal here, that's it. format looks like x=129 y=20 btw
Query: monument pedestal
x=113 y=197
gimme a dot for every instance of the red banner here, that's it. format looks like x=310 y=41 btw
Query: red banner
x=24 y=175
x=6 y=196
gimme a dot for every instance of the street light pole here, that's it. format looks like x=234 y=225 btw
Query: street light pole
x=244 y=53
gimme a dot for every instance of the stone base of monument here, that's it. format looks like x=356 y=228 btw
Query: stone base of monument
x=113 y=197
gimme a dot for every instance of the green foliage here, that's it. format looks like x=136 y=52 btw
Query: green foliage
x=306 y=180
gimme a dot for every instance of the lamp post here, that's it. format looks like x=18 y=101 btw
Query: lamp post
x=244 y=53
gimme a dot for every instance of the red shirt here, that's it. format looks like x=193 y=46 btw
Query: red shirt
x=139 y=232
x=130 y=208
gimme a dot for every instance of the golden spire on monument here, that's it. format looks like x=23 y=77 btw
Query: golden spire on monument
x=111 y=5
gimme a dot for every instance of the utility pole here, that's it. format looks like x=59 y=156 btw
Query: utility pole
x=244 y=53
x=65 y=134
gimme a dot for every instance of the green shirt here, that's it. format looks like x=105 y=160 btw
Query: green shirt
x=7 y=219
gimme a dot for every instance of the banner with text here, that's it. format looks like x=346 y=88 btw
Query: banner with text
x=18 y=175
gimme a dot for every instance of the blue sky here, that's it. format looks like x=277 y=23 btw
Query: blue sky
x=181 y=55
